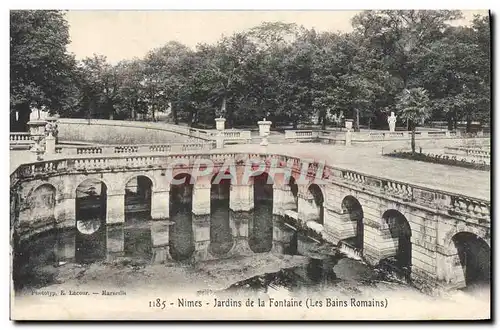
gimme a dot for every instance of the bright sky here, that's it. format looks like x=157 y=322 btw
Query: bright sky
x=127 y=34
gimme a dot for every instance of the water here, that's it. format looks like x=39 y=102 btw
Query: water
x=39 y=260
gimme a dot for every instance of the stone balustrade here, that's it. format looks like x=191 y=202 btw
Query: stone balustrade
x=134 y=149
x=428 y=197
x=21 y=140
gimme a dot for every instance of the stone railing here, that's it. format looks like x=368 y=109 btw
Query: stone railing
x=402 y=135
x=232 y=136
x=135 y=149
x=451 y=203
x=476 y=152
x=21 y=140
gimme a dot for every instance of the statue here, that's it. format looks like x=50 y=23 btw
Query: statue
x=392 y=122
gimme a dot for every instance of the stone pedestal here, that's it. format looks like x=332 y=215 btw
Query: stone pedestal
x=160 y=205
x=50 y=145
x=241 y=198
x=264 y=127
x=115 y=208
x=219 y=141
x=348 y=133
x=220 y=124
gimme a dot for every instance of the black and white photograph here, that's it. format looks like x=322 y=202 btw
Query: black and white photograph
x=251 y=165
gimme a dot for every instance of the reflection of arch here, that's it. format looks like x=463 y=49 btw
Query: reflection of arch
x=399 y=228
x=181 y=235
x=42 y=202
x=474 y=256
x=352 y=206
x=260 y=238
x=319 y=199
x=90 y=199
x=221 y=237
x=138 y=191
x=294 y=188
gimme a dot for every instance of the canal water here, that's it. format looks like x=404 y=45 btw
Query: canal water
x=37 y=261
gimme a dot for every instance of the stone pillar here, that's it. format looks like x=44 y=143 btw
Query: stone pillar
x=283 y=199
x=160 y=201
x=348 y=133
x=220 y=124
x=201 y=198
x=241 y=197
x=65 y=212
x=338 y=225
x=50 y=145
x=308 y=211
x=201 y=233
x=160 y=241
x=377 y=242
x=449 y=270
x=115 y=241
x=115 y=207
x=264 y=131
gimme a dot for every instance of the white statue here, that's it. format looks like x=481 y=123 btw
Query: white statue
x=392 y=122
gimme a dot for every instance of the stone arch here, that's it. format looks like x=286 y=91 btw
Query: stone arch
x=397 y=227
x=318 y=199
x=350 y=205
x=42 y=202
x=134 y=175
x=138 y=197
x=472 y=257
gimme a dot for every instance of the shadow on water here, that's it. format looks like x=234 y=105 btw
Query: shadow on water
x=181 y=233
x=221 y=238
x=260 y=237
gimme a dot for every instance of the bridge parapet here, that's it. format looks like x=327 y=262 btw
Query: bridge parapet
x=451 y=203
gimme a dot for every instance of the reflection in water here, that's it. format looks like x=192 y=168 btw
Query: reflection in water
x=181 y=233
x=90 y=248
x=261 y=227
x=221 y=238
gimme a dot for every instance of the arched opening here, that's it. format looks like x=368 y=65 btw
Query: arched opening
x=221 y=237
x=90 y=240
x=294 y=189
x=43 y=202
x=399 y=229
x=260 y=238
x=351 y=206
x=318 y=198
x=181 y=206
x=138 y=198
x=475 y=258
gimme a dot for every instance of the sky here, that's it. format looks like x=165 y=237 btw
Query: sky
x=124 y=34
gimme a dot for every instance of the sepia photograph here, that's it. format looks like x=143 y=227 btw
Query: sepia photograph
x=251 y=165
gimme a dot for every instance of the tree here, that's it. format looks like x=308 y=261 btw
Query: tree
x=41 y=70
x=413 y=106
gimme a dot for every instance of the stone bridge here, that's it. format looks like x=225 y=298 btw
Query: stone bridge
x=422 y=230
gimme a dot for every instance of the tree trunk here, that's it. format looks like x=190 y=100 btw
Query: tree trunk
x=468 y=124
x=323 y=121
x=356 y=128
x=295 y=123
x=173 y=111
